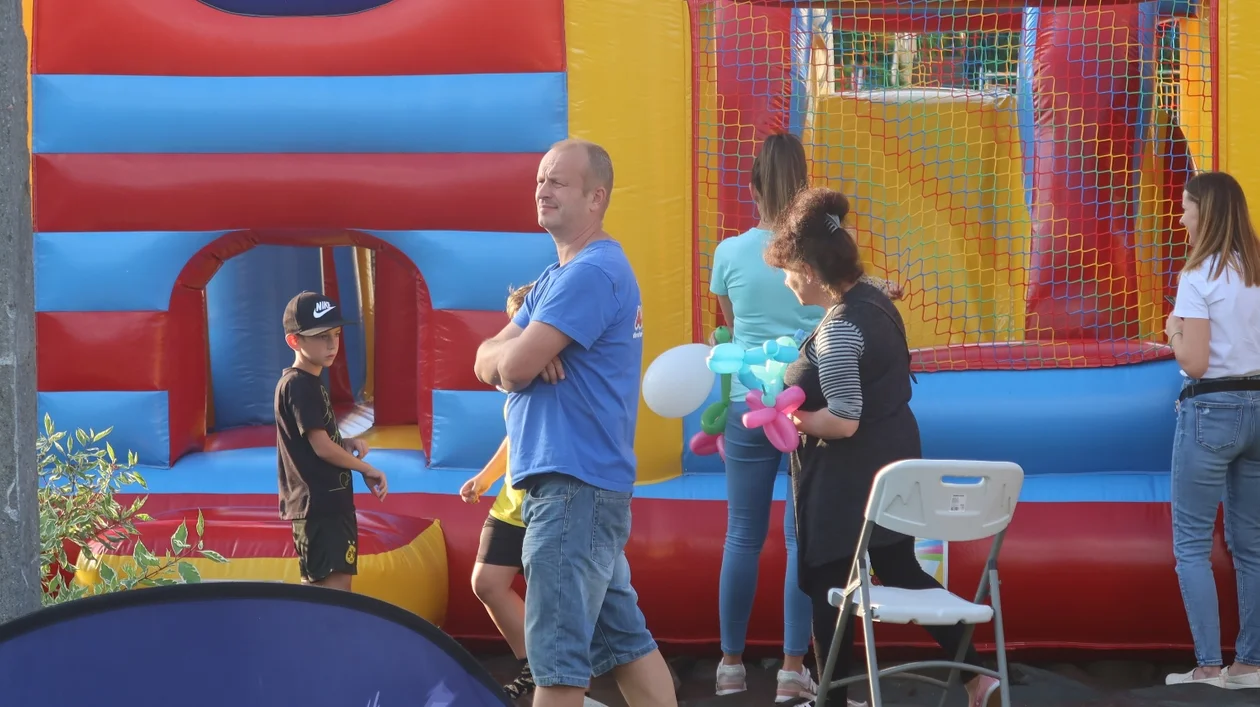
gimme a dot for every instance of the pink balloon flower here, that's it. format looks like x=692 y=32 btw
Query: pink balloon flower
x=776 y=421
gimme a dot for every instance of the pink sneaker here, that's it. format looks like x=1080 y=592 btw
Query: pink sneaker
x=731 y=679
x=987 y=694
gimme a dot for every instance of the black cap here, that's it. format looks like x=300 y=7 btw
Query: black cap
x=310 y=313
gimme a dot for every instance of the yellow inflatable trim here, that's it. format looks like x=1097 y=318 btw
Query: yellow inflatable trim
x=413 y=577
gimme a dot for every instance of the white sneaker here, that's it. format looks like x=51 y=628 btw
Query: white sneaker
x=1190 y=679
x=731 y=679
x=1248 y=681
x=794 y=685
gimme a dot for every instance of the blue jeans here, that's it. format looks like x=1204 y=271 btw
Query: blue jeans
x=1216 y=456
x=582 y=615
x=751 y=466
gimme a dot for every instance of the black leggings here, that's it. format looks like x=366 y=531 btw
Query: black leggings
x=896 y=566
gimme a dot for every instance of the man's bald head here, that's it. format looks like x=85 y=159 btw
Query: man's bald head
x=599 y=168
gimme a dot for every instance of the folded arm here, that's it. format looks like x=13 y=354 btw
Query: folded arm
x=490 y=353
x=579 y=306
x=522 y=359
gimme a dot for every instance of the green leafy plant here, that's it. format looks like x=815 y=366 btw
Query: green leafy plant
x=79 y=509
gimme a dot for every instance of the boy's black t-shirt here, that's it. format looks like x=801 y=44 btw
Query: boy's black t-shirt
x=309 y=486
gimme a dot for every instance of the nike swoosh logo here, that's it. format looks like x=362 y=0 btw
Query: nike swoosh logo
x=320 y=315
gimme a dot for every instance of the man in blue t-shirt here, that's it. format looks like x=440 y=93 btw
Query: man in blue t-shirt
x=571 y=361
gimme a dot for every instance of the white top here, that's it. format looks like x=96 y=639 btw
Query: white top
x=1233 y=310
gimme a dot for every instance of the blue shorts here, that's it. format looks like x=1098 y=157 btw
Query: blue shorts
x=582 y=616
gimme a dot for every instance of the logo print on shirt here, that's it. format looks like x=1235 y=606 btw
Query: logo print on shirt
x=638 y=323
x=322 y=308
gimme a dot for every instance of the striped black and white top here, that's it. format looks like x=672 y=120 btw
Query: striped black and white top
x=835 y=352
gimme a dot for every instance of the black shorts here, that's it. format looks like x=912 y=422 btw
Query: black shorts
x=501 y=544
x=327 y=544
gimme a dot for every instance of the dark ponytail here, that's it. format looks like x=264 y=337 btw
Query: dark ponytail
x=812 y=233
x=779 y=172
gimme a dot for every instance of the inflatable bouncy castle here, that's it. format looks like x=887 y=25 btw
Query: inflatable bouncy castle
x=1016 y=165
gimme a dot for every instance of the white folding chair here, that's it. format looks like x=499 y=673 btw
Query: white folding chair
x=952 y=501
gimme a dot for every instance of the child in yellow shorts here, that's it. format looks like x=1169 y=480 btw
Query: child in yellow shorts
x=499 y=554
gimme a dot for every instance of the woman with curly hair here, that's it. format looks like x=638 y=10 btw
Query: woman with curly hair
x=855 y=371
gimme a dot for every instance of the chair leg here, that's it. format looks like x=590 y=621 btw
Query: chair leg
x=872 y=665
x=824 y=681
x=999 y=632
x=954 y=675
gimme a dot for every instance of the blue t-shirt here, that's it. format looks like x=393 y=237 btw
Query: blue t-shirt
x=583 y=426
x=764 y=306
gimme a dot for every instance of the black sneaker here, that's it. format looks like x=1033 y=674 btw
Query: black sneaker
x=522 y=685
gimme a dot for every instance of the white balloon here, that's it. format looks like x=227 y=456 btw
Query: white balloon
x=678 y=382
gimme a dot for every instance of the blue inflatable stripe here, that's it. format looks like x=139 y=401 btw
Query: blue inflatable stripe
x=1025 y=97
x=113 y=271
x=252 y=471
x=473 y=269
x=140 y=420
x=1115 y=419
x=524 y=112
x=1064 y=421
x=467 y=427
x=353 y=338
x=1147 y=487
x=802 y=34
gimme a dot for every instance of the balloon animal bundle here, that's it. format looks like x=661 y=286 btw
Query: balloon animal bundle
x=770 y=406
x=678 y=382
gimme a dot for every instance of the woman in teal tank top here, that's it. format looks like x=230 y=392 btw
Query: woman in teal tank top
x=758 y=306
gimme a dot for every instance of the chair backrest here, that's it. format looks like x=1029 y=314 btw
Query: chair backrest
x=948 y=500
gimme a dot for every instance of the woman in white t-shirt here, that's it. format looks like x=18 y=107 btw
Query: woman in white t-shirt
x=1214 y=330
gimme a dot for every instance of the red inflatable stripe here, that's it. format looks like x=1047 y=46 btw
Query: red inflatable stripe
x=753 y=83
x=456 y=334
x=396 y=348
x=403 y=38
x=186 y=357
x=1082 y=271
x=1042 y=564
x=258 y=532
x=196 y=192
x=126 y=350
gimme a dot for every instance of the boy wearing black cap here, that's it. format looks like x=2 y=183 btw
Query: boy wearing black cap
x=316 y=489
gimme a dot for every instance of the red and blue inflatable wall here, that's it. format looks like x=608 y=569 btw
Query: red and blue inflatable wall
x=172 y=135
x=177 y=139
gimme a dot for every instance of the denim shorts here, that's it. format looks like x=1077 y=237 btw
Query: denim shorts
x=582 y=616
